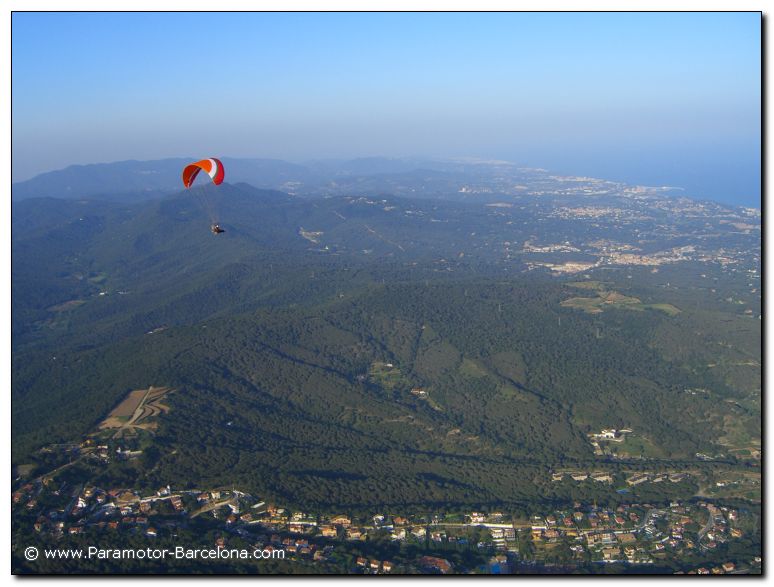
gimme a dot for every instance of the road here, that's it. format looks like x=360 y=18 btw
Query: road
x=707 y=527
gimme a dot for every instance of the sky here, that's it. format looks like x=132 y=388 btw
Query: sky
x=647 y=98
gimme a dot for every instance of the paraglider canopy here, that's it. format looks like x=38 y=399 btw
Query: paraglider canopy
x=212 y=167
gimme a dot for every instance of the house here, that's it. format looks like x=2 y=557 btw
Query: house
x=341 y=521
x=399 y=534
x=419 y=531
x=477 y=518
x=361 y=561
x=328 y=531
x=375 y=564
x=728 y=567
x=610 y=553
x=432 y=563
x=551 y=534
x=600 y=538
x=386 y=566
x=354 y=534
x=637 y=478
x=151 y=531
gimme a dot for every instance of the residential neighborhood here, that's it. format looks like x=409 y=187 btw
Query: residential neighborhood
x=582 y=537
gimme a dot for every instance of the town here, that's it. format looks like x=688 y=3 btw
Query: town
x=582 y=536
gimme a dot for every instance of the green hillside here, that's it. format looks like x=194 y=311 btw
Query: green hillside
x=279 y=348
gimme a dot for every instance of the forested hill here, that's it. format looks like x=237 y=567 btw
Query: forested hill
x=337 y=350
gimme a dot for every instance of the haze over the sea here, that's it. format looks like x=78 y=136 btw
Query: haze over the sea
x=646 y=98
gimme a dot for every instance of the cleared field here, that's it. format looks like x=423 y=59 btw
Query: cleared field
x=471 y=369
x=25 y=470
x=588 y=305
x=72 y=304
x=637 y=446
x=613 y=299
x=387 y=376
x=666 y=308
x=594 y=285
x=136 y=410
x=130 y=404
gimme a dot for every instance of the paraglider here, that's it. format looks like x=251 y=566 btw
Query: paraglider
x=214 y=168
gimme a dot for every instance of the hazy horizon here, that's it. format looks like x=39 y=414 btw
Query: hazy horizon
x=645 y=98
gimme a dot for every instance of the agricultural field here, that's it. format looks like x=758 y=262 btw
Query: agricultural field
x=635 y=446
x=388 y=376
x=612 y=299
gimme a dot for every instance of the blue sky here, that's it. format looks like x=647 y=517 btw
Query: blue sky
x=655 y=98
